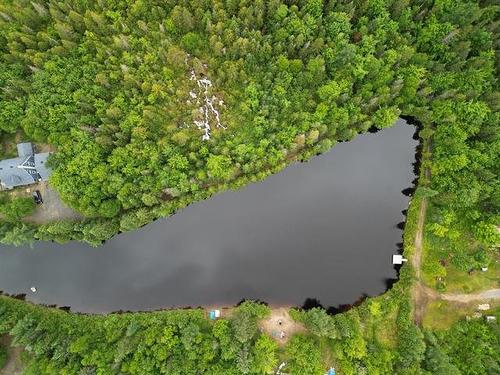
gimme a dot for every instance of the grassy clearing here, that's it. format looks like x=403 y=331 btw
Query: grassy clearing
x=441 y=315
x=459 y=281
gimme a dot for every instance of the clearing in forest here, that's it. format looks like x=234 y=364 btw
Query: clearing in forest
x=280 y=325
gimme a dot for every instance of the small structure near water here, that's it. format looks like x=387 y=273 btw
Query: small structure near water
x=398 y=259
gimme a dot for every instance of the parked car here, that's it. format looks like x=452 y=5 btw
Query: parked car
x=37 y=196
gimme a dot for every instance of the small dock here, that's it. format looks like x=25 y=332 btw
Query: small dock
x=398 y=259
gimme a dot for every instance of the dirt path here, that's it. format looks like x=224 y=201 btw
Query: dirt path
x=466 y=298
x=419 y=295
x=417 y=256
x=280 y=325
x=14 y=365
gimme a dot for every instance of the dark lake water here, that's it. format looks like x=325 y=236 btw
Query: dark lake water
x=325 y=229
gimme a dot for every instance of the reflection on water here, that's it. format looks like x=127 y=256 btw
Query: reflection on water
x=323 y=230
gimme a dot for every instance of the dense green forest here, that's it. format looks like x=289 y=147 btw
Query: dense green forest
x=151 y=105
x=185 y=342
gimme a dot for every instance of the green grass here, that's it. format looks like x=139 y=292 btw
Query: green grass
x=441 y=315
x=385 y=330
x=447 y=277
x=446 y=262
x=326 y=353
x=459 y=281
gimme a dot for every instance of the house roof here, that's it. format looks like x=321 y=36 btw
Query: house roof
x=26 y=169
x=41 y=167
x=11 y=175
x=24 y=149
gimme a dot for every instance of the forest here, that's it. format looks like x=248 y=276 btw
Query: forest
x=186 y=342
x=152 y=105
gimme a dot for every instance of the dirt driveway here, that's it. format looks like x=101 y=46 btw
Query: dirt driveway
x=52 y=208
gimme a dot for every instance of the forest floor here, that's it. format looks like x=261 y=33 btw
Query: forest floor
x=14 y=366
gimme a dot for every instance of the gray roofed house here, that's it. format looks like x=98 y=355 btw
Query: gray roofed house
x=28 y=168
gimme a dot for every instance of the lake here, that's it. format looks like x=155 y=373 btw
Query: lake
x=325 y=229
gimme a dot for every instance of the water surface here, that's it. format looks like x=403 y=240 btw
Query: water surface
x=325 y=229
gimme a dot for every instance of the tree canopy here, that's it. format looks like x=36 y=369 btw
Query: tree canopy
x=152 y=105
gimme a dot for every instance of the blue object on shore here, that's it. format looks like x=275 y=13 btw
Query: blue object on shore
x=331 y=371
x=214 y=314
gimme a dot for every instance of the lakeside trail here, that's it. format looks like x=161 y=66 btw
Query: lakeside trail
x=13 y=366
x=420 y=294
